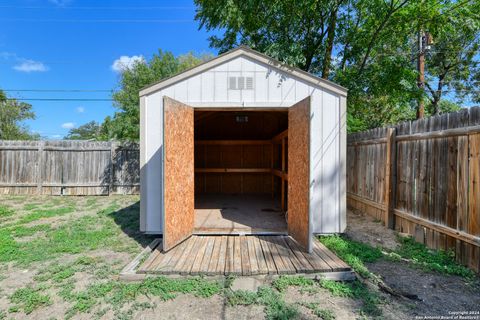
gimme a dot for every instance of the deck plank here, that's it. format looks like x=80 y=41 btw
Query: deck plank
x=272 y=268
x=297 y=265
x=237 y=256
x=199 y=256
x=284 y=251
x=190 y=242
x=207 y=256
x=171 y=258
x=145 y=267
x=185 y=264
x=222 y=255
x=212 y=265
x=318 y=264
x=252 y=255
x=246 y=267
x=229 y=256
x=262 y=264
x=305 y=266
x=335 y=262
x=283 y=267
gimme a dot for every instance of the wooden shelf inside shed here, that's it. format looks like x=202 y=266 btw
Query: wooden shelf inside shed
x=279 y=139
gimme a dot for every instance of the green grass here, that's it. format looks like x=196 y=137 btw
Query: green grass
x=352 y=252
x=28 y=299
x=72 y=237
x=46 y=213
x=431 y=260
x=283 y=282
x=5 y=211
x=30 y=206
x=323 y=314
x=275 y=307
x=118 y=294
x=19 y=231
x=355 y=290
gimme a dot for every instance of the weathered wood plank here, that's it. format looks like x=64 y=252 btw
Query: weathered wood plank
x=207 y=256
x=272 y=269
x=262 y=264
x=222 y=256
x=252 y=255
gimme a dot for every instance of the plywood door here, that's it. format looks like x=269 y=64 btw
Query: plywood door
x=178 y=173
x=299 y=173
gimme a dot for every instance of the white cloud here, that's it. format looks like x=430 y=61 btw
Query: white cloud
x=126 y=62
x=30 y=66
x=80 y=109
x=68 y=125
x=56 y=136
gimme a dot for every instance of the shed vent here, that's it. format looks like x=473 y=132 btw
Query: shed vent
x=240 y=83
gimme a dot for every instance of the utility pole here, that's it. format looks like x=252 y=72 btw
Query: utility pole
x=421 y=73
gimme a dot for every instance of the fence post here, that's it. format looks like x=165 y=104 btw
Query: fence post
x=390 y=178
x=40 y=163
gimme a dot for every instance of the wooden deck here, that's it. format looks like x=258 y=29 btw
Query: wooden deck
x=240 y=255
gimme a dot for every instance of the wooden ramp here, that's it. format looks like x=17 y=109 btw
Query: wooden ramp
x=241 y=255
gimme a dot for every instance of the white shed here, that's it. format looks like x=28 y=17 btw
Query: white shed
x=243 y=144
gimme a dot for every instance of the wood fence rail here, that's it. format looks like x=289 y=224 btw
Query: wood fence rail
x=69 y=168
x=422 y=178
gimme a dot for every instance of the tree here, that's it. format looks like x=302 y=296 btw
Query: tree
x=367 y=46
x=125 y=123
x=12 y=114
x=89 y=131
x=453 y=63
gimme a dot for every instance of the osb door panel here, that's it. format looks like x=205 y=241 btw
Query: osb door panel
x=299 y=173
x=178 y=172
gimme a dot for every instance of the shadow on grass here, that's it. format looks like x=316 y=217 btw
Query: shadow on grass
x=128 y=218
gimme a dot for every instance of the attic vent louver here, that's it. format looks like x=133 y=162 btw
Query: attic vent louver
x=240 y=83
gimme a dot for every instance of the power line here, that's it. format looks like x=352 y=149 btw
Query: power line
x=101 y=7
x=100 y=20
x=59 y=99
x=54 y=90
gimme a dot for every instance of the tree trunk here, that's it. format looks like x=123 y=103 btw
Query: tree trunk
x=329 y=47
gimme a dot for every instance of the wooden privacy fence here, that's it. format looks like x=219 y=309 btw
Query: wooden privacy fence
x=422 y=178
x=68 y=168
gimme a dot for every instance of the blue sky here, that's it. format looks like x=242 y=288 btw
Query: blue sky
x=73 y=44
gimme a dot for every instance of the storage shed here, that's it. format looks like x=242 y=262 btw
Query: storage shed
x=243 y=144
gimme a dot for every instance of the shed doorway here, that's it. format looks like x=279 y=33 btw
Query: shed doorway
x=241 y=161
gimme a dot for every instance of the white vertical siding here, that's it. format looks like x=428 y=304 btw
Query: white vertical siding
x=325 y=162
x=153 y=182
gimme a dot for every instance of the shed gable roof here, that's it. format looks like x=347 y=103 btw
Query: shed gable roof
x=254 y=55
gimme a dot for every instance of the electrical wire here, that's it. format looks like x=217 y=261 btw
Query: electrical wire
x=60 y=99
x=99 y=7
x=100 y=20
x=54 y=90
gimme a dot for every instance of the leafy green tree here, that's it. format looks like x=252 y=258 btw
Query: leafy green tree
x=125 y=123
x=12 y=115
x=453 y=64
x=370 y=47
x=89 y=131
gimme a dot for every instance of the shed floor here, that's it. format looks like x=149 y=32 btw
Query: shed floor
x=238 y=214
x=243 y=255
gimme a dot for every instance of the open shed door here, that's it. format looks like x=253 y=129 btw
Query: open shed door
x=178 y=188
x=299 y=173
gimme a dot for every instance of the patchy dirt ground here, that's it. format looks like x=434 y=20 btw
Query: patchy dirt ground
x=363 y=228
x=58 y=263
x=431 y=294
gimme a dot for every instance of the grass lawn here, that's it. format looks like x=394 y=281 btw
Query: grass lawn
x=60 y=258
